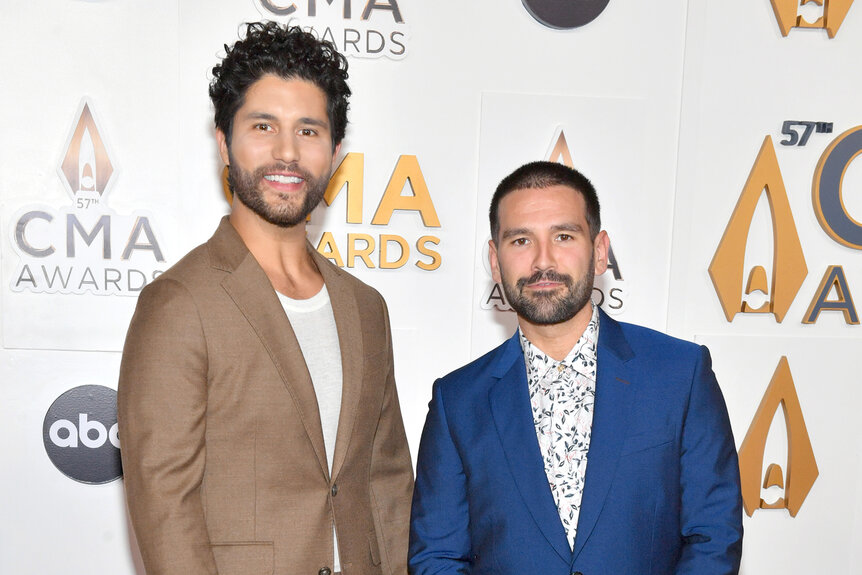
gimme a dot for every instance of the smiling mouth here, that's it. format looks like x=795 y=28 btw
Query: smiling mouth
x=283 y=179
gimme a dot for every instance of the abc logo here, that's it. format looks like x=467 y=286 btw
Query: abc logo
x=564 y=14
x=80 y=434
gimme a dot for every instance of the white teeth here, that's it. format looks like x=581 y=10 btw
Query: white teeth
x=278 y=178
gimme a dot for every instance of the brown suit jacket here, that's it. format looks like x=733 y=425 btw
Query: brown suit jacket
x=223 y=455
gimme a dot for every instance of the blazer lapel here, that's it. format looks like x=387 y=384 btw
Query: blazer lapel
x=347 y=321
x=615 y=391
x=252 y=292
x=513 y=418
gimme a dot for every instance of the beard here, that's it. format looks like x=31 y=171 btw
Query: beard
x=547 y=308
x=247 y=187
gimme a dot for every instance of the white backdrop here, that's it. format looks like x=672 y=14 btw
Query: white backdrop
x=664 y=106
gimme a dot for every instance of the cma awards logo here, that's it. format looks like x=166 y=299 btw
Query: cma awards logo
x=789 y=269
x=375 y=250
x=81 y=436
x=565 y=14
x=782 y=484
x=821 y=14
x=84 y=247
x=391 y=251
x=608 y=290
x=361 y=28
x=773 y=293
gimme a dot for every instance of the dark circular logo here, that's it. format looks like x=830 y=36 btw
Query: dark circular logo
x=80 y=434
x=565 y=14
x=828 y=183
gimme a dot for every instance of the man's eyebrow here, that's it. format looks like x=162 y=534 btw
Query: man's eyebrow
x=265 y=116
x=564 y=227
x=260 y=116
x=512 y=232
x=314 y=122
x=567 y=227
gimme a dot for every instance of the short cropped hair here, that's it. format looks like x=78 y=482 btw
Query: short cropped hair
x=541 y=175
x=287 y=52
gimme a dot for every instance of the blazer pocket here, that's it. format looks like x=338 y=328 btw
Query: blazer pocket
x=646 y=440
x=244 y=557
x=372 y=546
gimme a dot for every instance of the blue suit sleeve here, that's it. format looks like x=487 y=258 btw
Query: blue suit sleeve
x=711 y=512
x=440 y=519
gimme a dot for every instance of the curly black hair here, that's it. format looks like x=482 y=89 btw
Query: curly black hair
x=287 y=52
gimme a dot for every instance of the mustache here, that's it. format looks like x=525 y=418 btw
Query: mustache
x=546 y=275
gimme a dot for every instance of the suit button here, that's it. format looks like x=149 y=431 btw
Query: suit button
x=325 y=571
x=334 y=492
x=577 y=573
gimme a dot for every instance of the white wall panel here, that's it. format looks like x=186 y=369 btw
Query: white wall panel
x=742 y=80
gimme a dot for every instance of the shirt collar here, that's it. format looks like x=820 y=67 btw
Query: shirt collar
x=581 y=358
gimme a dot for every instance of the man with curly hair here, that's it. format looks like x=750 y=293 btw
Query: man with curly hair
x=257 y=402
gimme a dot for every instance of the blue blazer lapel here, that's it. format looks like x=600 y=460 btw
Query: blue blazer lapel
x=615 y=391
x=513 y=418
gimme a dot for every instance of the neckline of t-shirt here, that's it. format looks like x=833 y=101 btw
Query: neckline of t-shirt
x=314 y=303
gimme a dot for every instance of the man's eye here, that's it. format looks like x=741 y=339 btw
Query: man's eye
x=519 y=241
x=263 y=127
x=564 y=237
x=307 y=132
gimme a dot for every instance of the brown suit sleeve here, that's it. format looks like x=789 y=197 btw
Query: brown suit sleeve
x=391 y=475
x=162 y=402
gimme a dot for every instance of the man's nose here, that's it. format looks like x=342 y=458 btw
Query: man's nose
x=286 y=148
x=544 y=255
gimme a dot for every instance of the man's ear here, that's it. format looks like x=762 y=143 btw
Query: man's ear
x=495 y=264
x=335 y=153
x=222 y=147
x=601 y=247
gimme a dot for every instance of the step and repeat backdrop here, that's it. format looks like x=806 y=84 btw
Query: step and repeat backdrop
x=722 y=137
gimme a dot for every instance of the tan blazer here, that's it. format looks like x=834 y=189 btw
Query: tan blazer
x=223 y=455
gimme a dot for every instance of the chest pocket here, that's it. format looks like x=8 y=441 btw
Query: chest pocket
x=649 y=439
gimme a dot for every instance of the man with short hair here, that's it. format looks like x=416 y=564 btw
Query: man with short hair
x=257 y=402
x=581 y=445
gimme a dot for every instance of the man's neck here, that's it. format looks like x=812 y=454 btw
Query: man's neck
x=281 y=252
x=557 y=340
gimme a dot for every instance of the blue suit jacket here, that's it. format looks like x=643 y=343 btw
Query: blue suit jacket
x=662 y=489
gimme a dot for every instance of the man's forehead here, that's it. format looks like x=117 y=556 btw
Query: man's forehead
x=565 y=201
x=285 y=91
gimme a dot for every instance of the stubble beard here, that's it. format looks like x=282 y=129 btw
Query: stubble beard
x=247 y=187
x=549 y=307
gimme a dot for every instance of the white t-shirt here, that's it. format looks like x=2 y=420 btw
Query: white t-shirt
x=313 y=323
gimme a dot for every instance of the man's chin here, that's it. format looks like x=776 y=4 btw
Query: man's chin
x=547 y=311
x=542 y=316
x=546 y=320
x=282 y=220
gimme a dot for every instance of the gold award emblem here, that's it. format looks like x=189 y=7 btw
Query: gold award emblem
x=86 y=166
x=800 y=470
x=560 y=152
x=834 y=12
x=788 y=270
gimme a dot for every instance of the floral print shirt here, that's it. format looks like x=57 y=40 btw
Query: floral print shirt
x=562 y=396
